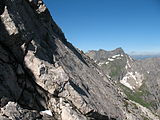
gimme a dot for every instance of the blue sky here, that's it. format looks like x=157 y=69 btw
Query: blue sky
x=133 y=25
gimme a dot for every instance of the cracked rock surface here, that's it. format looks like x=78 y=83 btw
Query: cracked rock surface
x=41 y=71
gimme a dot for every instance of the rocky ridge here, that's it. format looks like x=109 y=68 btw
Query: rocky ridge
x=44 y=77
x=140 y=76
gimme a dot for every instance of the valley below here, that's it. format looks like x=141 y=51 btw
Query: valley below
x=44 y=77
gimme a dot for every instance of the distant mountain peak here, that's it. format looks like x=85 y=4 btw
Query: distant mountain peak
x=103 y=54
x=45 y=77
x=119 y=50
x=133 y=76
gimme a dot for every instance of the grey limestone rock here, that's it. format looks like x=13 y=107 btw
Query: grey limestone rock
x=41 y=71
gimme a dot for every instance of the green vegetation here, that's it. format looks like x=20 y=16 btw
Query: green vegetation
x=115 y=71
x=136 y=95
x=145 y=118
x=116 y=68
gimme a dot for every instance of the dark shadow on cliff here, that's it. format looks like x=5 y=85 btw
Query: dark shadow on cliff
x=33 y=32
x=43 y=37
x=77 y=88
x=75 y=51
x=97 y=116
x=47 y=46
x=31 y=91
x=2 y=6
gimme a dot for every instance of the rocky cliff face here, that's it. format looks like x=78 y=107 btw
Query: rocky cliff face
x=139 y=79
x=44 y=77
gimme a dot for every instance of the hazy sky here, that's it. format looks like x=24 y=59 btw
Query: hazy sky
x=133 y=25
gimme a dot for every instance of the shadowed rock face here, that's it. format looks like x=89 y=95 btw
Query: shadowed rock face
x=2 y=6
x=41 y=71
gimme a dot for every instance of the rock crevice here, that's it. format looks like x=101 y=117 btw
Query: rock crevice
x=41 y=71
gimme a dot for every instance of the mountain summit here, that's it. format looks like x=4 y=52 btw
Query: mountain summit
x=44 y=77
x=135 y=77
